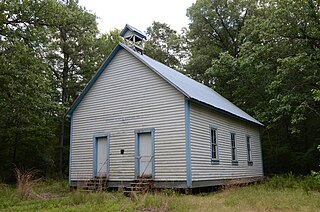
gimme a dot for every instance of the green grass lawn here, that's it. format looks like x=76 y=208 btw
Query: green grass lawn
x=277 y=194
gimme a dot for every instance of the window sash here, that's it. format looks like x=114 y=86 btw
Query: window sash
x=214 y=146
x=233 y=147
x=249 y=149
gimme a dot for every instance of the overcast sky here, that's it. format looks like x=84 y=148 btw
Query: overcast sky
x=138 y=13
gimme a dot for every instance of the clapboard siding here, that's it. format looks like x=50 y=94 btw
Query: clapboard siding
x=129 y=96
x=201 y=118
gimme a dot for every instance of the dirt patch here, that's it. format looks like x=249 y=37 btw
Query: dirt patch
x=46 y=195
x=164 y=207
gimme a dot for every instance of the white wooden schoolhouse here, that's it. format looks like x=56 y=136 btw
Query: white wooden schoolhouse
x=138 y=118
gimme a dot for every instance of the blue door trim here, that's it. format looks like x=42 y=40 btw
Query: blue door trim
x=188 y=147
x=137 y=151
x=95 y=153
x=70 y=150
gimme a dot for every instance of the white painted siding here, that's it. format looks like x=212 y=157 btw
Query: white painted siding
x=129 y=96
x=202 y=168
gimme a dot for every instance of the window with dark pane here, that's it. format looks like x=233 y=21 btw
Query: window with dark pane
x=249 y=149
x=233 y=147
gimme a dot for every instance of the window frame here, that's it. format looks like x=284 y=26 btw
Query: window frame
x=249 y=150
x=234 y=151
x=214 y=134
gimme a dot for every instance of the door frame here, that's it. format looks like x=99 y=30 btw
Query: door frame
x=95 y=153
x=137 y=150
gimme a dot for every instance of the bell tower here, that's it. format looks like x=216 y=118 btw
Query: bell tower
x=133 y=38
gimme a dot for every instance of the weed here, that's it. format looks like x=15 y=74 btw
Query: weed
x=306 y=183
x=316 y=176
x=78 y=197
x=169 y=191
x=25 y=183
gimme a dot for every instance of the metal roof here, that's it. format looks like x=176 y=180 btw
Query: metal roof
x=190 y=88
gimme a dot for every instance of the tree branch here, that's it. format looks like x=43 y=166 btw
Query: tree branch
x=215 y=30
x=228 y=32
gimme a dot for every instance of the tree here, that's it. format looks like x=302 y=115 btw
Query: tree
x=166 y=45
x=215 y=28
x=26 y=106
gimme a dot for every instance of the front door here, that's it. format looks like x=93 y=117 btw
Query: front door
x=102 y=157
x=145 y=157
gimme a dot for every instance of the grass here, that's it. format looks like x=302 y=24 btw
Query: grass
x=279 y=193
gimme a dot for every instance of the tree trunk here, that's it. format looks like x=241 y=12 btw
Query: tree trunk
x=61 y=138
x=14 y=154
x=65 y=72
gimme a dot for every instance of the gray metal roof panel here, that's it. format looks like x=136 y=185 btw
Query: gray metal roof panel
x=191 y=88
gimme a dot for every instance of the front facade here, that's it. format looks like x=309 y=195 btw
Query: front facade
x=126 y=102
x=135 y=120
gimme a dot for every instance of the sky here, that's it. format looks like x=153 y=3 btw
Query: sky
x=138 y=13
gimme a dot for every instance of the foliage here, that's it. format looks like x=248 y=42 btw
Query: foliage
x=307 y=183
x=292 y=113
x=26 y=105
x=215 y=28
x=166 y=45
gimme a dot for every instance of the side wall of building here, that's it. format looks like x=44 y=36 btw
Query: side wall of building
x=128 y=96
x=202 y=119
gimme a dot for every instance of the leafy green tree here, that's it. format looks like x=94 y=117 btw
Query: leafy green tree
x=166 y=45
x=215 y=28
x=26 y=106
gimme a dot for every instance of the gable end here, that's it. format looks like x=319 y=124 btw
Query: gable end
x=92 y=81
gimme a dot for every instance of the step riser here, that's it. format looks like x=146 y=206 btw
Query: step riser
x=139 y=187
x=94 y=184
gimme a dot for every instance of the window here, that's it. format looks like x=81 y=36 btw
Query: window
x=233 y=149
x=249 y=154
x=214 y=145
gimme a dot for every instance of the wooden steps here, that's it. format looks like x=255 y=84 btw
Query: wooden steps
x=139 y=186
x=95 y=184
